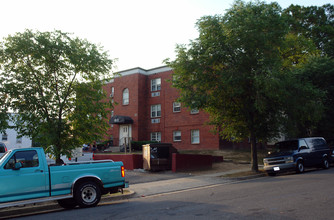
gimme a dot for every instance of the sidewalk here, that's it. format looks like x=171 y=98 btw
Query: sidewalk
x=203 y=178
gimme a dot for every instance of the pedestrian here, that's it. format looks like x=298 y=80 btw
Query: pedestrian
x=94 y=147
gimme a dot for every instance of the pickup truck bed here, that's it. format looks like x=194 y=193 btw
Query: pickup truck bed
x=25 y=178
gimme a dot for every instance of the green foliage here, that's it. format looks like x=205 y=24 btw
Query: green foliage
x=54 y=83
x=313 y=23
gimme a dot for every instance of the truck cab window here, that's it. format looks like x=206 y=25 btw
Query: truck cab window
x=26 y=158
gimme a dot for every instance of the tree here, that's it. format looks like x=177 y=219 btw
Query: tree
x=315 y=23
x=54 y=83
x=233 y=70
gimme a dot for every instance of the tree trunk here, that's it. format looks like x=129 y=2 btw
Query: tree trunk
x=59 y=161
x=255 y=167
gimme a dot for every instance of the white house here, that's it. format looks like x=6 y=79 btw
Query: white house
x=13 y=141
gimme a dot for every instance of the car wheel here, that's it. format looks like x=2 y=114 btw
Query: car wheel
x=300 y=167
x=325 y=163
x=67 y=203
x=87 y=194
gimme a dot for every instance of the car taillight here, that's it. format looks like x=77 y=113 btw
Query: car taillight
x=122 y=171
x=93 y=156
x=5 y=149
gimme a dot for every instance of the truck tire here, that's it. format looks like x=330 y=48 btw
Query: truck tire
x=67 y=203
x=87 y=194
x=325 y=163
x=300 y=167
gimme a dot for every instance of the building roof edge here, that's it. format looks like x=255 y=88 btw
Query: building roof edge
x=143 y=71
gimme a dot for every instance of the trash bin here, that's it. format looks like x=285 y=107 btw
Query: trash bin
x=158 y=156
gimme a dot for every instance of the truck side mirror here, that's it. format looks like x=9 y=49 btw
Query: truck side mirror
x=17 y=166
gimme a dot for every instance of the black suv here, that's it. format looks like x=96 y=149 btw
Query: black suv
x=297 y=154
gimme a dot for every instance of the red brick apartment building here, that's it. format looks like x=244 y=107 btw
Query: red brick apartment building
x=145 y=108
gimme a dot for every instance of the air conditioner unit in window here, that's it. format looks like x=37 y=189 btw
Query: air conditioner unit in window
x=155 y=94
x=155 y=120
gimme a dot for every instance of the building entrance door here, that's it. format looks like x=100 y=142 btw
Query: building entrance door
x=125 y=135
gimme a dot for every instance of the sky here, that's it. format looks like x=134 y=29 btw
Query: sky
x=138 y=33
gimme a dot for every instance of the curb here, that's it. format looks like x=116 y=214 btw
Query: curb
x=247 y=177
x=127 y=194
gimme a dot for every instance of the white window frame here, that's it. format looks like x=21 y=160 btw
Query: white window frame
x=176 y=106
x=156 y=111
x=156 y=84
x=156 y=136
x=195 y=136
x=126 y=96
x=177 y=136
x=112 y=92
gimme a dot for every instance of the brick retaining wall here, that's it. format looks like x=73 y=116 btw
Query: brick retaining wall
x=130 y=161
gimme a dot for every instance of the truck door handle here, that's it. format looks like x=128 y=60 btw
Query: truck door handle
x=38 y=170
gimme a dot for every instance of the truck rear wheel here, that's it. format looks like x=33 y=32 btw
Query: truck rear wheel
x=87 y=194
x=67 y=203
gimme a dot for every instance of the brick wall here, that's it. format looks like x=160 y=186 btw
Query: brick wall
x=139 y=109
x=130 y=161
x=182 y=162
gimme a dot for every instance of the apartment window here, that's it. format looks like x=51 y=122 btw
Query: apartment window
x=155 y=111
x=112 y=92
x=4 y=137
x=176 y=106
x=176 y=135
x=156 y=84
x=126 y=96
x=156 y=136
x=194 y=111
x=195 y=136
x=19 y=140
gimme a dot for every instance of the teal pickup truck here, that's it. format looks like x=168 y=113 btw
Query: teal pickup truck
x=25 y=177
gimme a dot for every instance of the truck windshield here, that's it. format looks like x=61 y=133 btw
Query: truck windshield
x=286 y=146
